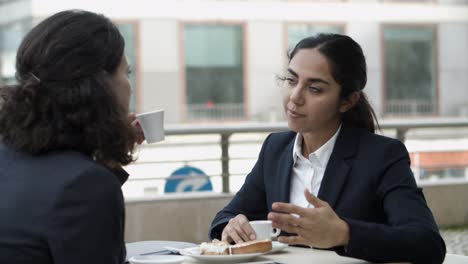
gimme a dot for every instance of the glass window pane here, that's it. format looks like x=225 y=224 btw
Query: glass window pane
x=409 y=70
x=213 y=71
x=128 y=32
x=409 y=1
x=297 y=32
x=453 y=2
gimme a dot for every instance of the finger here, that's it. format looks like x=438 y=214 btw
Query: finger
x=241 y=233
x=136 y=123
x=247 y=229
x=293 y=240
x=313 y=200
x=231 y=234
x=284 y=218
x=140 y=136
x=289 y=208
x=131 y=117
x=225 y=237
x=234 y=231
x=285 y=223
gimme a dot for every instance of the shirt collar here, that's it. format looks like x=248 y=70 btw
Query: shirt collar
x=321 y=155
x=121 y=174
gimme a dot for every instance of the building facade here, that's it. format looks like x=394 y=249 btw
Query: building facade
x=218 y=60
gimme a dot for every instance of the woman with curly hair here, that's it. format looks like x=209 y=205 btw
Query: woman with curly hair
x=65 y=134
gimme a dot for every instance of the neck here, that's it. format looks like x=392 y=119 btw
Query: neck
x=311 y=141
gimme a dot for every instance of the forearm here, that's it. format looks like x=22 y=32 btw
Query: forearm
x=383 y=243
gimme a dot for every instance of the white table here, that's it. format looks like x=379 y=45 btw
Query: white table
x=142 y=247
x=290 y=255
x=303 y=255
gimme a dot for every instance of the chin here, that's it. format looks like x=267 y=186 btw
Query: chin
x=295 y=127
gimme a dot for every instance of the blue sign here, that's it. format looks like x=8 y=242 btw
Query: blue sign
x=188 y=179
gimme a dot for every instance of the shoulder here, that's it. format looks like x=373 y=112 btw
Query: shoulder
x=279 y=140
x=66 y=168
x=86 y=184
x=63 y=163
x=382 y=142
x=282 y=138
x=79 y=169
x=378 y=146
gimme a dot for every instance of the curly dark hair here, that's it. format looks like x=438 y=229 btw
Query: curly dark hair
x=63 y=99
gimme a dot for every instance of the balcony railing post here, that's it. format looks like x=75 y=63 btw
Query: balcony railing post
x=401 y=134
x=225 y=161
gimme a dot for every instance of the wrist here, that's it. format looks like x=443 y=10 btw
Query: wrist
x=343 y=233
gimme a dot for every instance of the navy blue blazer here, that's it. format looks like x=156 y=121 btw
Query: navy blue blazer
x=369 y=184
x=60 y=207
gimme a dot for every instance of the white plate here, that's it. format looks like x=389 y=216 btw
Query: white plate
x=157 y=259
x=194 y=252
x=277 y=246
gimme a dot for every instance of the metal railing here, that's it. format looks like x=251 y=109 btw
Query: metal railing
x=218 y=111
x=407 y=107
x=225 y=131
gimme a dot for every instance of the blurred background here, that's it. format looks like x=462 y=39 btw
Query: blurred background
x=212 y=66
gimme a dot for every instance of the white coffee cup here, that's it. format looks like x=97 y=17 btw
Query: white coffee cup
x=152 y=124
x=264 y=230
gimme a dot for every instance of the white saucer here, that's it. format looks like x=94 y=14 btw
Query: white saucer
x=277 y=246
x=195 y=253
x=156 y=259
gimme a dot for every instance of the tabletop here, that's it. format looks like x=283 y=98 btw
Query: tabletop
x=293 y=255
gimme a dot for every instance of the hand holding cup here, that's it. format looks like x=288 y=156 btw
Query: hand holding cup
x=152 y=125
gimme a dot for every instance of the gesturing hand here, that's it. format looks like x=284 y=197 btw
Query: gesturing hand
x=318 y=227
x=238 y=230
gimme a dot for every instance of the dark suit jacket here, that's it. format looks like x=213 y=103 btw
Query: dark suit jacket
x=60 y=207
x=369 y=184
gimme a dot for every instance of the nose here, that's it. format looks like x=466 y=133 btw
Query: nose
x=296 y=95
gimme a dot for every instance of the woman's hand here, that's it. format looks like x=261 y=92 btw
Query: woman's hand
x=316 y=227
x=140 y=137
x=238 y=230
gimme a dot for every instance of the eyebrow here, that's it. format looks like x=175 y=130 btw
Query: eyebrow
x=312 y=80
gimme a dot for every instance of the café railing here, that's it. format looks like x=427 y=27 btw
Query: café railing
x=401 y=126
x=409 y=107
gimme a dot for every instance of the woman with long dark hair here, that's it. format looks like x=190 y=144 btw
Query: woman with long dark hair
x=65 y=134
x=332 y=182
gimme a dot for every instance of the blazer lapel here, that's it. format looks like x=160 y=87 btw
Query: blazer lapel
x=284 y=172
x=338 y=166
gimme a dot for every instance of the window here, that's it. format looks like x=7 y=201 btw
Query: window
x=409 y=1
x=213 y=61
x=453 y=2
x=448 y=172
x=129 y=33
x=297 y=32
x=410 y=70
x=11 y=35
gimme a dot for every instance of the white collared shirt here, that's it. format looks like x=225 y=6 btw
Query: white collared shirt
x=308 y=173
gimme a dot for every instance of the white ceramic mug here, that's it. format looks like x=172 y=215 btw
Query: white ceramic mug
x=264 y=230
x=152 y=124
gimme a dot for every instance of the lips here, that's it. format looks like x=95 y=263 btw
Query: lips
x=294 y=114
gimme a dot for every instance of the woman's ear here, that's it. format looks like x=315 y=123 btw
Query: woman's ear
x=349 y=102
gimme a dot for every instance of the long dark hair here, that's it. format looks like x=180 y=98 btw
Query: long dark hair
x=348 y=68
x=63 y=99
